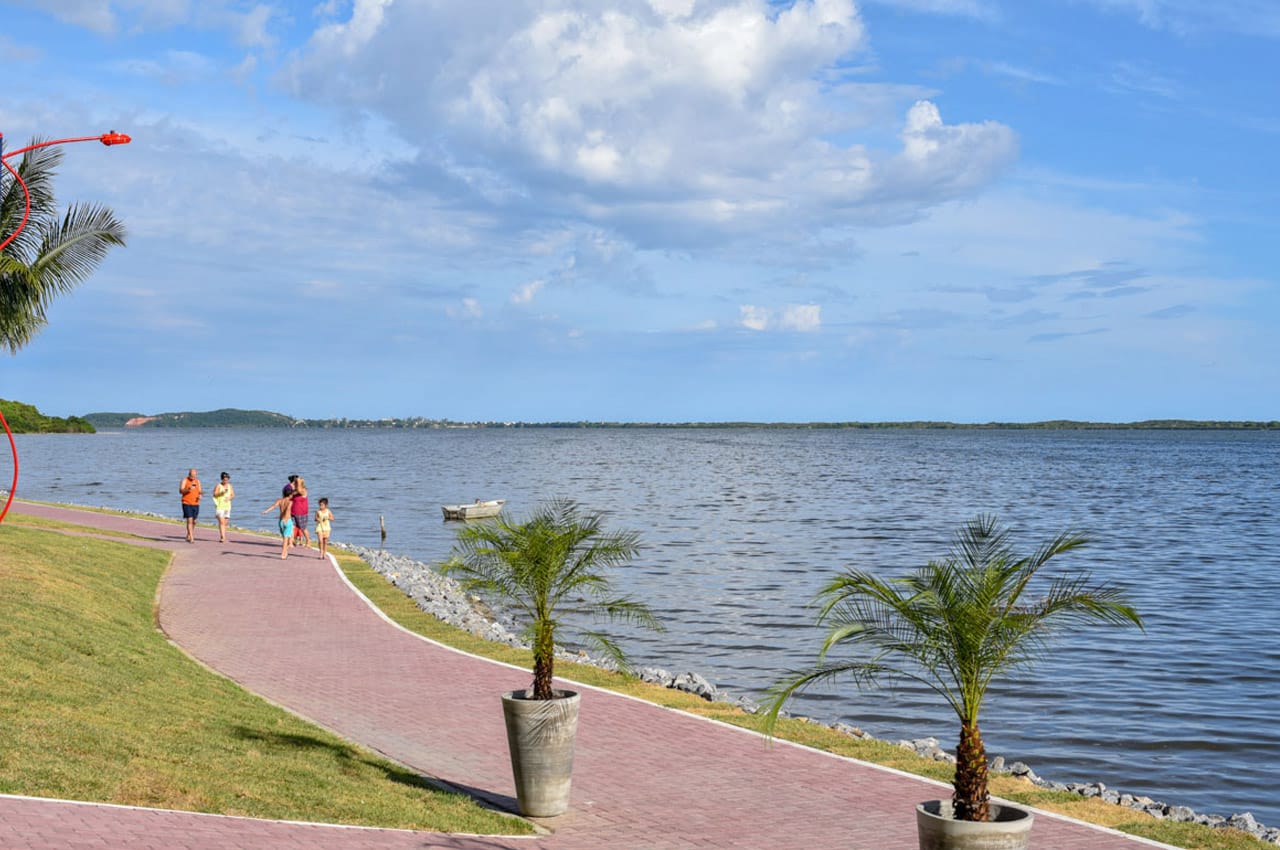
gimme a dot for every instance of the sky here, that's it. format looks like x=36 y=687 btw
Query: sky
x=662 y=210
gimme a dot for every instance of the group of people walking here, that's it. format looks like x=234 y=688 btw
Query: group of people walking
x=293 y=510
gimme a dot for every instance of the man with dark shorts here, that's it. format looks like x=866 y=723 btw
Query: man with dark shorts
x=189 y=487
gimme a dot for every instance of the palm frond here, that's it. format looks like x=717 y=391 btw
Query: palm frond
x=554 y=562
x=956 y=624
x=53 y=254
x=70 y=251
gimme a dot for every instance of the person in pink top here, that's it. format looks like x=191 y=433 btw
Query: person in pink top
x=300 y=511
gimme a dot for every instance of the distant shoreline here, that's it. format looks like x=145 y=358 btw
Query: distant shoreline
x=162 y=422
x=236 y=418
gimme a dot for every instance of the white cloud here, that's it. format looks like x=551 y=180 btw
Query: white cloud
x=251 y=28
x=673 y=9
x=980 y=9
x=665 y=120
x=247 y=25
x=753 y=317
x=468 y=309
x=803 y=318
x=525 y=294
x=348 y=38
x=1128 y=77
x=947 y=160
x=1022 y=75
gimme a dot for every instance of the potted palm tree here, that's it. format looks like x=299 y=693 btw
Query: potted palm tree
x=954 y=626
x=547 y=567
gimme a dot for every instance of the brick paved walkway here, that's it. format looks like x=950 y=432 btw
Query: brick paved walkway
x=645 y=777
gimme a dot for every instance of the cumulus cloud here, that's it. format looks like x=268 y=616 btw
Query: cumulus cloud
x=661 y=119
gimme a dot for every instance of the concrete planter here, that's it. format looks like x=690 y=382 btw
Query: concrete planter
x=1008 y=829
x=540 y=735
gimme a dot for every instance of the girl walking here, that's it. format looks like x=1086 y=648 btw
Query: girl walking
x=324 y=517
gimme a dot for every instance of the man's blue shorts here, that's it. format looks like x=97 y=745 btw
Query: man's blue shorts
x=190 y=511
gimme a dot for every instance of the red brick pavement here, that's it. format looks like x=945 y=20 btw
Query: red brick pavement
x=645 y=777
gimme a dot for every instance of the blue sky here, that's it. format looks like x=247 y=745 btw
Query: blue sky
x=663 y=210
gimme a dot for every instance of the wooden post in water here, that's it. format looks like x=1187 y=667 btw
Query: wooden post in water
x=382 y=525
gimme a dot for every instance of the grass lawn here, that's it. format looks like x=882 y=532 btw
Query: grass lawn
x=96 y=705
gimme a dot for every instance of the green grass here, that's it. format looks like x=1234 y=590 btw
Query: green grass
x=96 y=705
x=32 y=521
x=1191 y=836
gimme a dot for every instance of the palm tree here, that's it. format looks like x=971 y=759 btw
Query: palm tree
x=550 y=565
x=953 y=626
x=53 y=254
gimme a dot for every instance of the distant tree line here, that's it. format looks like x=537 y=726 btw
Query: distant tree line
x=26 y=419
x=233 y=418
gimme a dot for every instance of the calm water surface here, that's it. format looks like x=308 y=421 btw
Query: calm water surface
x=742 y=527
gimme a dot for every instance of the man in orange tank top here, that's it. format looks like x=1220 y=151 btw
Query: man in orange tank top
x=190 y=490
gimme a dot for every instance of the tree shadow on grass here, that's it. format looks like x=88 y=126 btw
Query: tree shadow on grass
x=392 y=771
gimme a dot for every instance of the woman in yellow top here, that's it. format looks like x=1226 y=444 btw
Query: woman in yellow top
x=223 y=493
x=189 y=487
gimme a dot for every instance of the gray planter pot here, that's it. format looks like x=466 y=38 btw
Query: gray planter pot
x=1008 y=829
x=540 y=735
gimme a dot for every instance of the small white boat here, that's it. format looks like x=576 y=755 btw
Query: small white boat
x=478 y=509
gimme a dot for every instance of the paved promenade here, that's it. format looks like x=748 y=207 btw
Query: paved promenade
x=645 y=777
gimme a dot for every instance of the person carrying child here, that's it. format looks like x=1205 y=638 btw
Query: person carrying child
x=324 y=517
x=299 y=512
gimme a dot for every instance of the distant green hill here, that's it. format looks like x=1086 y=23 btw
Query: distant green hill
x=26 y=419
x=110 y=420
x=224 y=418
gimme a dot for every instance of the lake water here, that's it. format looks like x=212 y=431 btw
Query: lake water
x=742 y=526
